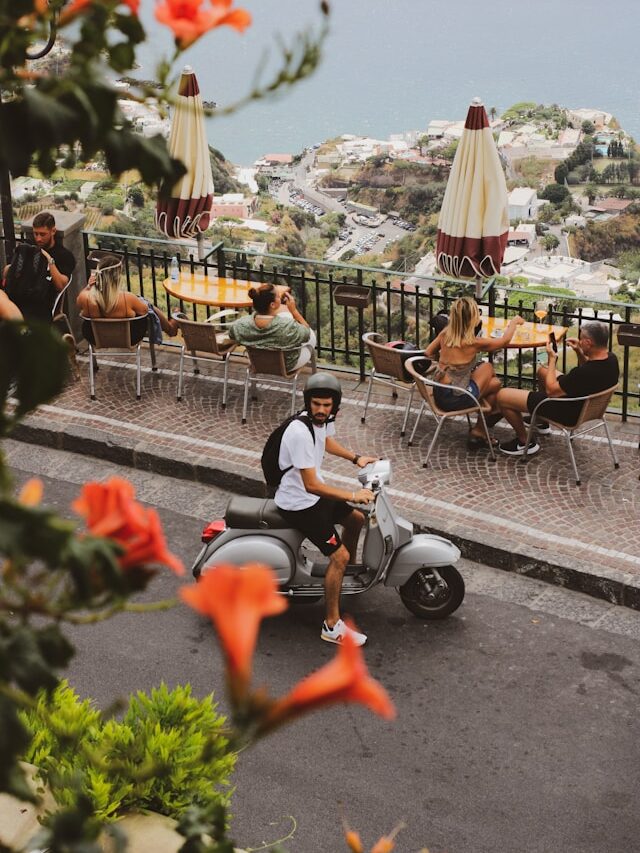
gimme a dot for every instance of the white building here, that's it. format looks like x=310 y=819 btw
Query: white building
x=589 y=280
x=24 y=184
x=523 y=203
x=599 y=118
x=436 y=128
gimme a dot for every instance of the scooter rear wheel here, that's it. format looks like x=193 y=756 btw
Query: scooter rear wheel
x=428 y=598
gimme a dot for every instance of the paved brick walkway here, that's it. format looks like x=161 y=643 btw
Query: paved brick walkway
x=530 y=511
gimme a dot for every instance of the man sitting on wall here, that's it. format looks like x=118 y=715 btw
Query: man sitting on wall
x=37 y=273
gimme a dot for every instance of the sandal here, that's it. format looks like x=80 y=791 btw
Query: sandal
x=479 y=442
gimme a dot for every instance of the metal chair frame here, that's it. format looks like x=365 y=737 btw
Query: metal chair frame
x=59 y=304
x=115 y=336
x=271 y=362
x=426 y=389
x=388 y=369
x=203 y=337
x=593 y=409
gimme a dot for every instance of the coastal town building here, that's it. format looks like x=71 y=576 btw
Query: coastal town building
x=599 y=118
x=523 y=203
x=272 y=166
x=234 y=204
x=522 y=235
x=146 y=117
x=591 y=280
x=609 y=206
x=25 y=185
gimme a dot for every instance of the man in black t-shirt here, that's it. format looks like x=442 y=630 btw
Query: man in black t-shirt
x=34 y=278
x=596 y=371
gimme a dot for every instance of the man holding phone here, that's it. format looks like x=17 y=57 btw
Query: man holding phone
x=597 y=370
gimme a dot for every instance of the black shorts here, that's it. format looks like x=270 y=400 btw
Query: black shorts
x=318 y=523
x=562 y=413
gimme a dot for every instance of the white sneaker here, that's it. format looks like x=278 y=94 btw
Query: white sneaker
x=339 y=632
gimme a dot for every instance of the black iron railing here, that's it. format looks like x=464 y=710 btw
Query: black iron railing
x=400 y=309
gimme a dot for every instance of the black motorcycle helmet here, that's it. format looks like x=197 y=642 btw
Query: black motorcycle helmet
x=323 y=385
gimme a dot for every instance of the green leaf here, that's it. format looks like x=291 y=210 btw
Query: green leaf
x=14 y=739
x=130 y=26
x=28 y=668
x=34 y=357
x=122 y=56
x=54 y=646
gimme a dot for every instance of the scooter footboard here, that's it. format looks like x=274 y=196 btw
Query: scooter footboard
x=423 y=551
x=239 y=550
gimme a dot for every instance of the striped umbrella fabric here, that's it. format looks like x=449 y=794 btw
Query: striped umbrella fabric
x=186 y=211
x=474 y=219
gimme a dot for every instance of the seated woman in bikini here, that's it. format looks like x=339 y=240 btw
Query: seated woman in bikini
x=103 y=299
x=457 y=349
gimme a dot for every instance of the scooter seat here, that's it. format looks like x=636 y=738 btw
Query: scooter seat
x=246 y=513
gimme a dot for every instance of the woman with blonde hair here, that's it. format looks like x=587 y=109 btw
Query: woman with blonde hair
x=104 y=299
x=457 y=347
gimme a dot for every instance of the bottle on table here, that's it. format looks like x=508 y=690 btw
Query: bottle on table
x=174 y=269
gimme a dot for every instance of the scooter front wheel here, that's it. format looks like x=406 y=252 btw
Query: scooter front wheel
x=428 y=596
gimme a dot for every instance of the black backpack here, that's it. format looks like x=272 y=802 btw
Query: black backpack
x=27 y=277
x=271 y=469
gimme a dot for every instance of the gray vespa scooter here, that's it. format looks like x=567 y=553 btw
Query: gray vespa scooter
x=419 y=565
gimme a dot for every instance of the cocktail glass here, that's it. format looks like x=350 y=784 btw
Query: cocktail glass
x=541 y=311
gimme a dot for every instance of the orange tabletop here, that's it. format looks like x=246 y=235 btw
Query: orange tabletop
x=528 y=335
x=210 y=290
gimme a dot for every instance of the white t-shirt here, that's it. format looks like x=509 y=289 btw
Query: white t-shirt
x=297 y=449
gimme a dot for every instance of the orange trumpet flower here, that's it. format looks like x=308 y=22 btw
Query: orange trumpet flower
x=236 y=600
x=31 y=493
x=110 y=510
x=77 y=7
x=189 y=21
x=344 y=679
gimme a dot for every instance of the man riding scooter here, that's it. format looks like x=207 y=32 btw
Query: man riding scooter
x=313 y=507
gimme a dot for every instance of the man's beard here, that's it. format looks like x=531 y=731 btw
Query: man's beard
x=319 y=419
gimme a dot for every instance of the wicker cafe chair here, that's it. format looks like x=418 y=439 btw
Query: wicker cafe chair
x=271 y=362
x=426 y=388
x=388 y=369
x=115 y=336
x=593 y=410
x=204 y=338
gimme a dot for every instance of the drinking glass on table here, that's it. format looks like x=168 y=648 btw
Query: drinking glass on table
x=542 y=309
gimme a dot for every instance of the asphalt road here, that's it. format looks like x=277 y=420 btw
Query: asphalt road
x=517 y=727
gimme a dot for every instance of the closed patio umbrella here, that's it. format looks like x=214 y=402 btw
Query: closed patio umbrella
x=185 y=212
x=474 y=223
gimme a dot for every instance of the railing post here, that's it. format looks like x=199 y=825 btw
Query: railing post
x=360 y=281
x=222 y=266
x=625 y=372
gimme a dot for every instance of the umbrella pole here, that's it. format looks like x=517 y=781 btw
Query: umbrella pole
x=200 y=244
x=478 y=288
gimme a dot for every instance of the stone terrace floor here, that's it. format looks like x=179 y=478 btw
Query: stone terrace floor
x=533 y=509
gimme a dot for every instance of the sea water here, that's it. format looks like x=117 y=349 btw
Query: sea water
x=394 y=65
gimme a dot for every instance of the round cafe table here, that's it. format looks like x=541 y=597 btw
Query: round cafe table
x=210 y=290
x=527 y=336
